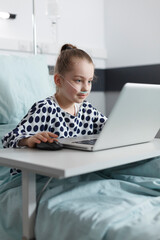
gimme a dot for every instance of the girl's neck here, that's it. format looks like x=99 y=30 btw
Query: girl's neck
x=65 y=105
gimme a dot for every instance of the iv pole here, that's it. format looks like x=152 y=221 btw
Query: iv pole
x=34 y=28
x=52 y=11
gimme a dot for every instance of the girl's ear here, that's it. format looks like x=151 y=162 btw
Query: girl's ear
x=57 y=79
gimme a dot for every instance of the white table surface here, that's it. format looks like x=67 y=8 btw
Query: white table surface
x=66 y=163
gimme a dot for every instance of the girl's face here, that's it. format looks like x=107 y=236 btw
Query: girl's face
x=76 y=84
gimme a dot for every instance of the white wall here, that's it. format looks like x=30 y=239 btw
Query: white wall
x=132 y=36
x=80 y=23
x=117 y=33
x=132 y=32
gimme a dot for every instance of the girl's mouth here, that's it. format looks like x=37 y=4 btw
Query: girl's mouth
x=82 y=95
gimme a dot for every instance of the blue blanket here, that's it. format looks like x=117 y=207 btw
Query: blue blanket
x=114 y=204
x=107 y=205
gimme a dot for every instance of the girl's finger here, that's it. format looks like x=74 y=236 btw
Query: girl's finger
x=49 y=136
x=52 y=135
x=41 y=137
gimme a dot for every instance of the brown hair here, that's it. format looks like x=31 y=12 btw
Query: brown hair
x=67 y=54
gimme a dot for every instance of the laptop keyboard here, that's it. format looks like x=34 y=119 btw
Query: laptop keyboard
x=89 y=141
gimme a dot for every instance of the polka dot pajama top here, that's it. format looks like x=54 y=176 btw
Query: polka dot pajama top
x=46 y=115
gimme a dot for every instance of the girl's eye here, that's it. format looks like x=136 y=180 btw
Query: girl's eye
x=78 y=80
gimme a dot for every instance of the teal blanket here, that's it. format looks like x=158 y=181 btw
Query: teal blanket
x=114 y=204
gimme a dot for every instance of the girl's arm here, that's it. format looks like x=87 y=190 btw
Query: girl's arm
x=33 y=128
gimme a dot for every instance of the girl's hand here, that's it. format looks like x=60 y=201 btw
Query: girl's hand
x=38 y=138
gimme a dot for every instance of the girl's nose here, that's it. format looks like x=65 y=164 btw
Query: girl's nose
x=85 y=87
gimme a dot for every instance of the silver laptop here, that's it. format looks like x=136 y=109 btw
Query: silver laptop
x=134 y=119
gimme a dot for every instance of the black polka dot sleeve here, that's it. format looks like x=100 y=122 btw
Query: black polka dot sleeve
x=46 y=115
x=37 y=120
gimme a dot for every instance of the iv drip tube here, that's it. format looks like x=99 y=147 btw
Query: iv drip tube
x=34 y=28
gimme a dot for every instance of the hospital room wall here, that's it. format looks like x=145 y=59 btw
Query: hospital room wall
x=132 y=37
x=80 y=23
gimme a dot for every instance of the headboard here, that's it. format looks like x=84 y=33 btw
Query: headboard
x=23 y=80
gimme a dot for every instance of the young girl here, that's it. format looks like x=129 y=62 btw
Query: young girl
x=67 y=113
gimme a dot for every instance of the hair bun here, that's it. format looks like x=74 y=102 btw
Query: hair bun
x=68 y=47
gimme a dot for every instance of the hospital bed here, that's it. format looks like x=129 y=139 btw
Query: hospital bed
x=112 y=204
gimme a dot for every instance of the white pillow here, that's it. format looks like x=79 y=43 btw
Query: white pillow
x=23 y=81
